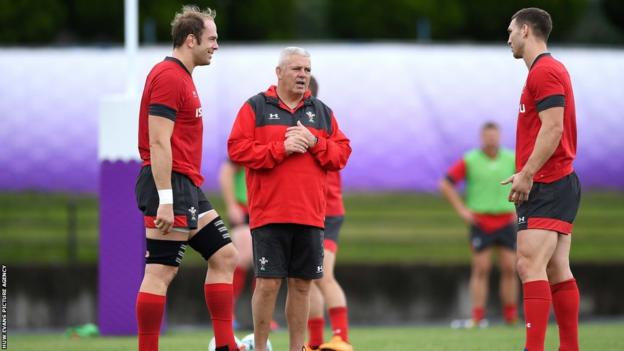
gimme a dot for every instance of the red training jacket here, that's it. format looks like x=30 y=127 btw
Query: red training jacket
x=286 y=188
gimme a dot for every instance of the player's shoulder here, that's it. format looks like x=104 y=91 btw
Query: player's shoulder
x=507 y=153
x=260 y=100
x=472 y=154
x=547 y=67
x=169 y=70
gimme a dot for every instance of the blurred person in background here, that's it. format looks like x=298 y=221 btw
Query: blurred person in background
x=545 y=188
x=177 y=213
x=234 y=192
x=288 y=140
x=491 y=219
x=327 y=291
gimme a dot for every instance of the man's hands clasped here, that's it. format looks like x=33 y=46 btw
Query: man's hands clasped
x=299 y=139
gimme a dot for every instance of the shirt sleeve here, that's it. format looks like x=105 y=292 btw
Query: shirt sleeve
x=165 y=95
x=245 y=150
x=333 y=151
x=457 y=172
x=546 y=88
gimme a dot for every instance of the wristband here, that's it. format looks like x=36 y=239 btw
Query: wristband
x=165 y=196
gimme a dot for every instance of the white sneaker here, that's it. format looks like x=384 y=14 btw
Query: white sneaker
x=469 y=323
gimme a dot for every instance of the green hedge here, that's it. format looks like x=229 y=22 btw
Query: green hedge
x=31 y=21
x=379 y=228
x=35 y=22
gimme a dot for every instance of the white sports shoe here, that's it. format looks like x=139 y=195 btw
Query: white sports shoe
x=469 y=323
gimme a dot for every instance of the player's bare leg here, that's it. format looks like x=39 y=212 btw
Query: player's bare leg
x=535 y=249
x=332 y=291
x=297 y=307
x=508 y=284
x=241 y=237
x=479 y=282
x=558 y=268
x=316 y=302
x=263 y=305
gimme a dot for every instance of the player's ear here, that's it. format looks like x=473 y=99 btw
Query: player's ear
x=525 y=30
x=190 y=40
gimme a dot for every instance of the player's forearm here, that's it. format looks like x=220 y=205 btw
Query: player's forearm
x=546 y=143
x=161 y=161
x=254 y=155
x=332 y=153
x=226 y=177
x=449 y=192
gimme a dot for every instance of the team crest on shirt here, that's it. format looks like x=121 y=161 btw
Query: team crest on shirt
x=311 y=116
x=193 y=213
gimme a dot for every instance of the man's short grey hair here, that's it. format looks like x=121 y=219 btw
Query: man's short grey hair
x=289 y=51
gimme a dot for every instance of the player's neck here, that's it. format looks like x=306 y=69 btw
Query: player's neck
x=532 y=52
x=490 y=152
x=186 y=60
x=291 y=100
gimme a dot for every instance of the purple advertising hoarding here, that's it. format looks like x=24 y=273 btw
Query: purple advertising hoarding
x=409 y=110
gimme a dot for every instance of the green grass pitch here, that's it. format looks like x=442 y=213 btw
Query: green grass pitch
x=593 y=336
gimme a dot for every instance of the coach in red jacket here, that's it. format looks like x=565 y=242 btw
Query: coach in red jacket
x=287 y=140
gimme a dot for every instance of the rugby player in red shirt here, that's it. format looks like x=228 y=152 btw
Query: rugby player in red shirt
x=545 y=188
x=177 y=213
x=327 y=291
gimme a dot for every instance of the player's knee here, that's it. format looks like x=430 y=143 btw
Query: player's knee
x=225 y=259
x=161 y=275
x=508 y=268
x=325 y=282
x=481 y=269
x=523 y=266
x=557 y=267
x=315 y=292
x=481 y=272
x=267 y=286
x=299 y=286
